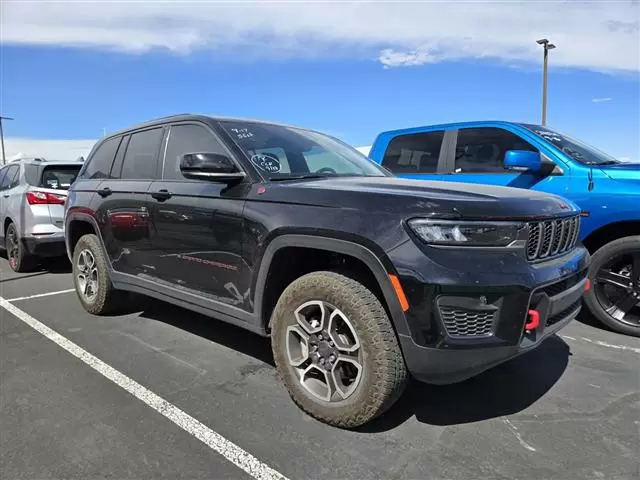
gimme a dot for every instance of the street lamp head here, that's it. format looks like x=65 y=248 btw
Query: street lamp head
x=542 y=41
x=550 y=46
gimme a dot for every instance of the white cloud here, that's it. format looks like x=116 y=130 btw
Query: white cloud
x=391 y=58
x=601 y=100
x=602 y=36
x=20 y=147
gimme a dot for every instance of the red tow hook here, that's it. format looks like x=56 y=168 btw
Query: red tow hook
x=587 y=285
x=534 y=321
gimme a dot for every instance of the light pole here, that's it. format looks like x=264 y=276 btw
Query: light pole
x=546 y=46
x=4 y=158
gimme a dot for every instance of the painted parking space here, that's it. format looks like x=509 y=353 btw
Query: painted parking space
x=567 y=410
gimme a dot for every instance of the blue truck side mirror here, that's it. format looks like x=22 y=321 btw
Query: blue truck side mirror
x=523 y=160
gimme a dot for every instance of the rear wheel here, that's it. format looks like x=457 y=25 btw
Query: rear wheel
x=336 y=350
x=91 y=278
x=614 y=298
x=17 y=255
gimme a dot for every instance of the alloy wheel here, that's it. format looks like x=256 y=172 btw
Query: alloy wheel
x=324 y=350
x=617 y=288
x=13 y=248
x=87 y=275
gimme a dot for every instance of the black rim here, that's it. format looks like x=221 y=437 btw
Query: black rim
x=617 y=288
x=13 y=252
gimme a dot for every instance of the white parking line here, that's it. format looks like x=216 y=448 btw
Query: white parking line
x=610 y=345
x=48 y=294
x=603 y=344
x=213 y=440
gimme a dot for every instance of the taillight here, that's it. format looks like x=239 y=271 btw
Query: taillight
x=45 y=198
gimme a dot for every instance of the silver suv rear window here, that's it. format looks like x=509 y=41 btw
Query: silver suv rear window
x=57 y=177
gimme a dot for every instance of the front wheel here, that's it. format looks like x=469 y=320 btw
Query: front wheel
x=336 y=350
x=614 y=298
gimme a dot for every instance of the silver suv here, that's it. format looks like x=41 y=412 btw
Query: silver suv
x=32 y=198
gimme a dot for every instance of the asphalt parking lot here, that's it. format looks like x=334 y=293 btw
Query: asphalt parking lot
x=570 y=410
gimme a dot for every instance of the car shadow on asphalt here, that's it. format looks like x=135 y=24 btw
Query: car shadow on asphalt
x=503 y=390
x=55 y=265
x=210 y=329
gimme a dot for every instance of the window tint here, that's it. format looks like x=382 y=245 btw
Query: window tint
x=141 y=157
x=187 y=139
x=58 y=177
x=481 y=150
x=7 y=177
x=99 y=164
x=15 y=181
x=416 y=153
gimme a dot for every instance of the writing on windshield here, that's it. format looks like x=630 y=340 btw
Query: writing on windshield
x=282 y=153
x=577 y=150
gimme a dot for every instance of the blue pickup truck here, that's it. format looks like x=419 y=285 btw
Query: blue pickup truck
x=536 y=157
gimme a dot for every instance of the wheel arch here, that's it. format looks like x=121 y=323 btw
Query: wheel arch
x=610 y=232
x=331 y=246
x=78 y=224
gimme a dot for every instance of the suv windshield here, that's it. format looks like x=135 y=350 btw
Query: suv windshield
x=282 y=153
x=579 y=151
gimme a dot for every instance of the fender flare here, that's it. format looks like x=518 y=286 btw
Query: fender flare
x=83 y=215
x=344 y=247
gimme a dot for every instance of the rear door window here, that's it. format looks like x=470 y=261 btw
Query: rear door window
x=141 y=158
x=414 y=153
x=7 y=179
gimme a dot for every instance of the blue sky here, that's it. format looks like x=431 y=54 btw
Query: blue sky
x=81 y=76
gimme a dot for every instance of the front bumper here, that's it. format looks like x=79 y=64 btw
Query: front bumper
x=468 y=309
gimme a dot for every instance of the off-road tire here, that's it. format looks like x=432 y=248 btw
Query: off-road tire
x=384 y=376
x=108 y=299
x=23 y=261
x=600 y=258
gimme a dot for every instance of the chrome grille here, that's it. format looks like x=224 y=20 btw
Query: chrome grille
x=552 y=237
x=460 y=322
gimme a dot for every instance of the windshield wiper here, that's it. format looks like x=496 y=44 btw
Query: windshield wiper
x=609 y=162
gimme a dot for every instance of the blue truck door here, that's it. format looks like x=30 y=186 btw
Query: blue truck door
x=420 y=156
x=478 y=157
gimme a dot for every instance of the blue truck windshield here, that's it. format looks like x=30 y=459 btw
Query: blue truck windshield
x=579 y=151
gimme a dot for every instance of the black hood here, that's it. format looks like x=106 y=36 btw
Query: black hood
x=420 y=197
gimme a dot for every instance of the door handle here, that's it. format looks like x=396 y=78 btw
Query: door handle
x=6 y=196
x=161 y=195
x=105 y=192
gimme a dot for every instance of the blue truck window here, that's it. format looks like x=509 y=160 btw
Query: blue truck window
x=417 y=153
x=481 y=150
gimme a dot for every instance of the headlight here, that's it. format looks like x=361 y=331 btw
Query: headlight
x=463 y=233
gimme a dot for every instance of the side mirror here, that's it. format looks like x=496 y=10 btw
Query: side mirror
x=523 y=161
x=214 y=167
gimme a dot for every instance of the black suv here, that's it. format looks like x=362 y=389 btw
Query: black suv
x=358 y=277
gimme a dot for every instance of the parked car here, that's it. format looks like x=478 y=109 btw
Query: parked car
x=358 y=277
x=32 y=197
x=539 y=158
